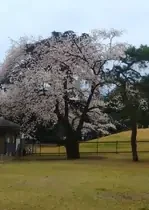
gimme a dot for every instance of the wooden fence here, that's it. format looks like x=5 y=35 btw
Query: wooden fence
x=86 y=147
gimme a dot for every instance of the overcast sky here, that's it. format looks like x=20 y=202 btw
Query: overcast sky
x=40 y=17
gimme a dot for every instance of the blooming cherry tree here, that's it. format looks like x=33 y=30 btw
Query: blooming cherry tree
x=59 y=80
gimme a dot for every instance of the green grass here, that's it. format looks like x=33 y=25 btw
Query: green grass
x=110 y=182
x=106 y=182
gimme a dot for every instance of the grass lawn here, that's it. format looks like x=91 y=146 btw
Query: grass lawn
x=110 y=182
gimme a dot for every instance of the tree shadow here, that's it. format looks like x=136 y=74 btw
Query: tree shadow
x=57 y=158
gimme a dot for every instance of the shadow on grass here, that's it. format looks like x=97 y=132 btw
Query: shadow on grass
x=57 y=158
x=116 y=159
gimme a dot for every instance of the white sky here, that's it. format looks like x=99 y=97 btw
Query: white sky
x=41 y=17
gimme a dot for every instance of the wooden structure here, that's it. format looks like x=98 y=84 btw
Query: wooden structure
x=9 y=133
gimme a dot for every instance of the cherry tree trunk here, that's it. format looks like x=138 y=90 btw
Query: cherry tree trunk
x=134 y=138
x=72 y=147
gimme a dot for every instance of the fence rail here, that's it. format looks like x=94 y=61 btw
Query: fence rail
x=86 y=147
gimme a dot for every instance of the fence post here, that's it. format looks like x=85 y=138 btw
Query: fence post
x=116 y=147
x=97 y=147
x=32 y=148
x=40 y=149
x=59 y=149
x=35 y=148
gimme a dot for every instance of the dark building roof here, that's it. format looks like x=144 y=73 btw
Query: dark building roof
x=6 y=124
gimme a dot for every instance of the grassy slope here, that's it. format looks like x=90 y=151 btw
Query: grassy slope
x=106 y=184
x=121 y=138
x=143 y=135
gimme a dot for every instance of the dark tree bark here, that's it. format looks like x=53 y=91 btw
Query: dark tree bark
x=72 y=149
x=72 y=146
x=145 y=125
x=134 y=137
x=71 y=142
x=73 y=138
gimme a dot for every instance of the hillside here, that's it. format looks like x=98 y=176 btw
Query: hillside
x=143 y=135
x=119 y=142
